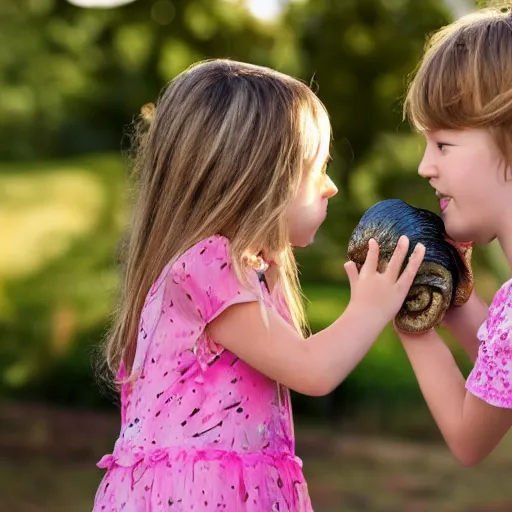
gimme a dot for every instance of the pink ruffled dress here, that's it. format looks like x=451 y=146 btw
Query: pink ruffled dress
x=491 y=378
x=200 y=429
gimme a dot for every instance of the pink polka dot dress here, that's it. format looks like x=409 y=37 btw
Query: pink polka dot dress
x=200 y=429
x=491 y=377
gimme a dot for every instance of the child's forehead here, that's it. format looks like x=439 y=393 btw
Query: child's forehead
x=435 y=133
x=430 y=133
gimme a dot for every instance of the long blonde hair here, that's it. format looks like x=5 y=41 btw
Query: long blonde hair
x=465 y=78
x=224 y=153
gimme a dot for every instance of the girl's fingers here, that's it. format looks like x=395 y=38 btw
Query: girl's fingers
x=398 y=258
x=372 y=258
x=352 y=274
x=410 y=271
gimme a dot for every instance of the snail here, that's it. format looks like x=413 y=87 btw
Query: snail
x=444 y=278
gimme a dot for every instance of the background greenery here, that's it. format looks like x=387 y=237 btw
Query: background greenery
x=71 y=81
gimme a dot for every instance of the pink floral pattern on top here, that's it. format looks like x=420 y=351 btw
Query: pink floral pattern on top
x=200 y=429
x=491 y=378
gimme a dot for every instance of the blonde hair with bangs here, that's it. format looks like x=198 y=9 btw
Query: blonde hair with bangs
x=465 y=78
x=224 y=152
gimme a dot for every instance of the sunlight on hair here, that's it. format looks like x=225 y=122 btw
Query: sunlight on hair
x=317 y=135
x=102 y=4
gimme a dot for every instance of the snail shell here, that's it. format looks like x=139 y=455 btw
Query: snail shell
x=444 y=278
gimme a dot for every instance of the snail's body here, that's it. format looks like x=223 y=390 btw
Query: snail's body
x=444 y=278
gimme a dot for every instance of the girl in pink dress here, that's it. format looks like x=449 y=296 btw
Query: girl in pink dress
x=210 y=335
x=461 y=100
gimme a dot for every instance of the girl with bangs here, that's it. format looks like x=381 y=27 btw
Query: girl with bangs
x=210 y=333
x=461 y=101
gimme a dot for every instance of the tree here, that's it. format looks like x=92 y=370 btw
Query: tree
x=360 y=53
x=72 y=78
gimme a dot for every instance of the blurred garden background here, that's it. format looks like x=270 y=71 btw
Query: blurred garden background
x=71 y=81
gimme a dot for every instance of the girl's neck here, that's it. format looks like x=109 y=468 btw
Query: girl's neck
x=271 y=276
x=505 y=229
x=506 y=246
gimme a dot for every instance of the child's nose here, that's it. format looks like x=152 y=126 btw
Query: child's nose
x=427 y=168
x=330 y=188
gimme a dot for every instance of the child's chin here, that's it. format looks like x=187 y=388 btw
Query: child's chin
x=305 y=241
x=466 y=237
x=456 y=234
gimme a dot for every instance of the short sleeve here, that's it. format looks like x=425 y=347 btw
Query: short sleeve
x=210 y=286
x=491 y=378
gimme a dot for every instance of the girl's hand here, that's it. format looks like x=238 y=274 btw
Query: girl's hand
x=381 y=294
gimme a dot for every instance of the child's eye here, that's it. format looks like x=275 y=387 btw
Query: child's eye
x=441 y=146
